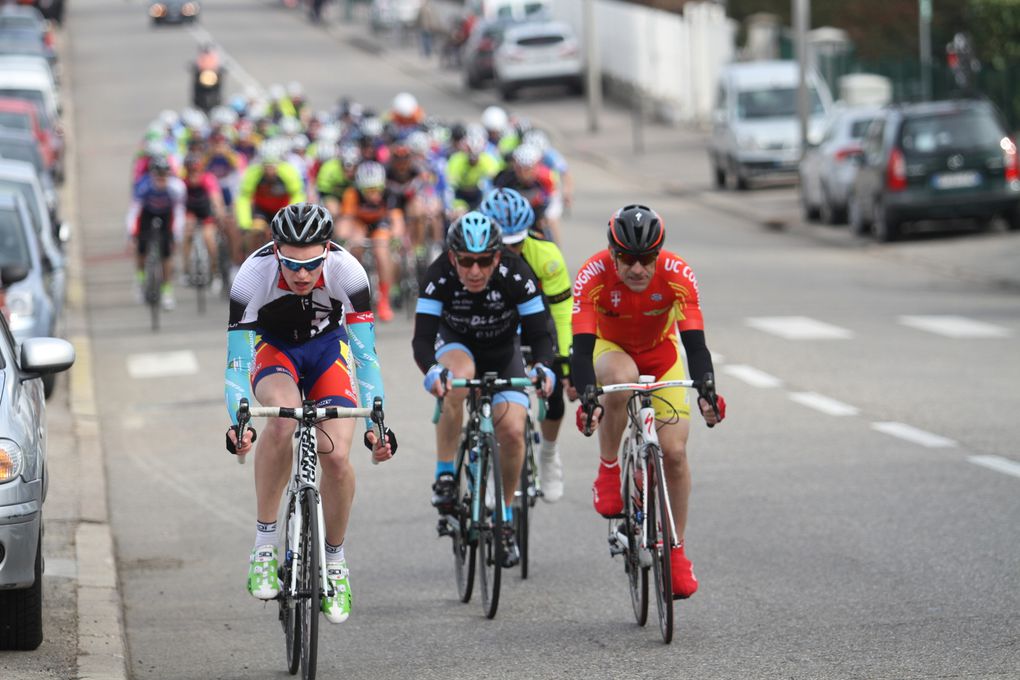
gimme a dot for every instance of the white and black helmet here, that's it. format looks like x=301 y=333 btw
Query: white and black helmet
x=302 y=224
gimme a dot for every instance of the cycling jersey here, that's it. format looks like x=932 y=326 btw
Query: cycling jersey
x=537 y=191
x=201 y=190
x=227 y=167
x=370 y=214
x=331 y=180
x=167 y=202
x=266 y=196
x=641 y=324
x=487 y=321
x=546 y=260
x=293 y=331
x=468 y=181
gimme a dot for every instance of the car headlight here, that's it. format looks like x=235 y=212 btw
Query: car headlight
x=21 y=306
x=11 y=461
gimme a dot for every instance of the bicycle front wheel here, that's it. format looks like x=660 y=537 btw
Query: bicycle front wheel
x=309 y=583
x=637 y=576
x=490 y=529
x=522 y=500
x=660 y=541
x=153 y=280
x=465 y=541
x=288 y=616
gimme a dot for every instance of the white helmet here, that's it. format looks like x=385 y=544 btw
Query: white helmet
x=418 y=142
x=294 y=89
x=405 y=104
x=370 y=175
x=350 y=154
x=325 y=151
x=273 y=150
x=494 y=119
x=536 y=138
x=475 y=140
x=222 y=115
x=527 y=155
x=371 y=127
x=299 y=142
x=329 y=133
x=155 y=148
x=193 y=118
x=169 y=118
x=276 y=92
x=290 y=126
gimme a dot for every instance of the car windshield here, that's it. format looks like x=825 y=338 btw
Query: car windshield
x=859 y=127
x=34 y=96
x=953 y=130
x=774 y=103
x=25 y=189
x=15 y=22
x=17 y=121
x=13 y=244
x=18 y=151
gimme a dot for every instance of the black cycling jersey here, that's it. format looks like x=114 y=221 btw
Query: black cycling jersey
x=487 y=321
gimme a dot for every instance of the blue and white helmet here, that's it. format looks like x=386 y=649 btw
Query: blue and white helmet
x=511 y=211
x=474 y=233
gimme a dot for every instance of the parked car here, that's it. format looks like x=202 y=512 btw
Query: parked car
x=389 y=14
x=828 y=168
x=174 y=11
x=755 y=128
x=934 y=161
x=478 y=50
x=18 y=114
x=34 y=86
x=51 y=9
x=27 y=18
x=24 y=481
x=21 y=146
x=517 y=10
x=538 y=53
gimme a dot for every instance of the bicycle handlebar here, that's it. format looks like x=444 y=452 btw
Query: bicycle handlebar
x=705 y=388
x=485 y=382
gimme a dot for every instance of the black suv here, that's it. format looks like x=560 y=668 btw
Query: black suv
x=931 y=161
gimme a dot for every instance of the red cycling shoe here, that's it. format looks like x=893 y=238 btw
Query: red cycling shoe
x=605 y=491
x=685 y=583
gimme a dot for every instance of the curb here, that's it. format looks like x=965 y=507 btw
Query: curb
x=101 y=651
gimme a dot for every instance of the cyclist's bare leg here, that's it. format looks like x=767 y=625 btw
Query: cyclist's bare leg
x=613 y=367
x=274 y=449
x=673 y=440
x=509 y=420
x=209 y=236
x=451 y=420
x=337 y=476
x=381 y=248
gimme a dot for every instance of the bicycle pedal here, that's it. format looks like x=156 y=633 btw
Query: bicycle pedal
x=443 y=527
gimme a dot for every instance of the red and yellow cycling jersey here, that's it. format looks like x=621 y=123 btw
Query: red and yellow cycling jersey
x=637 y=322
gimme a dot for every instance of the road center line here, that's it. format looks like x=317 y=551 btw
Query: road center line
x=798 y=328
x=997 y=463
x=752 y=376
x=955 y=326
x=826 y=405
x=913 y=434
x=162 y=364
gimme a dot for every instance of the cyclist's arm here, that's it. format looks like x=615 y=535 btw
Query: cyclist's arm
x=427 y=316
x=179 y=196
x=237 y=380
x=535 y=330
x=582 y=368
x=699 y=359
x=585 y=324
x=547 y=262
x=293 y=181
x=249 y=183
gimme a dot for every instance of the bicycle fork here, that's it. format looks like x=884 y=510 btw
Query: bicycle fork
x=646 y=420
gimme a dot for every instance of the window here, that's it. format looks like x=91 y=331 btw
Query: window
x=26 y=191
x=13 y=243
x=950 y=131
x=18 y=121
x=22 y=152
x=774 y=103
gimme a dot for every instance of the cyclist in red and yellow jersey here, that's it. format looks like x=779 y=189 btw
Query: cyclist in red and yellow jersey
x=634 y=303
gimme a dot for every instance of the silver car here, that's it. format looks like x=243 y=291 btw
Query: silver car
x=827 y=169
x=23 y=481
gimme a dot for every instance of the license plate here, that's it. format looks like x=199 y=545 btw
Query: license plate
x=956 y=180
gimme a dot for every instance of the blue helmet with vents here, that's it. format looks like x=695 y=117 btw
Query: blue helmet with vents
x=474 y=233
x=511 y=211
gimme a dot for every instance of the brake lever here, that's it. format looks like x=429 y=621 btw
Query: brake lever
x=243 y=418
x=706 y=390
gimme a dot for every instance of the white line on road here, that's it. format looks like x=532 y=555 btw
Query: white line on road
x=162 y=364
x=913 y=434
x=798 y=328
x=752 y=376
x=997 y=463
x=826 y=405
x=955 y=326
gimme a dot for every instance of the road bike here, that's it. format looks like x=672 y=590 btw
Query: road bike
x=529 y=490
x=476 y=522
x=153 y=286
x=303 y=568
x=647 y=533
x=199 y=265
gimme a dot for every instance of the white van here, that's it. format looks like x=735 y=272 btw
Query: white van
x=755 y=128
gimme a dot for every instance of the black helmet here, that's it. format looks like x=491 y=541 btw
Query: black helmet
x=159 y=165
x=636 y=230
x=302 y=224
x=474 y=233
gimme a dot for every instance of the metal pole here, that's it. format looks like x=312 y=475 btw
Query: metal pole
x=593 y=87
x=802 y=20
x=924 y=20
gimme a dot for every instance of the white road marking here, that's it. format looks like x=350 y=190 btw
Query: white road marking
x=913 y=434
x=752 y=376
x=997 y=463
x=162 y=364
x=826 y=405
x=955 y=326
x=799 y=328
x=233 y=67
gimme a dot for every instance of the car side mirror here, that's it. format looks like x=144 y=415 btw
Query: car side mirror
x=11 y=274
x=64 y=232
x=42 y=356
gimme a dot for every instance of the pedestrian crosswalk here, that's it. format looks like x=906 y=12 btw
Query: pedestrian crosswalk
x=945 y=325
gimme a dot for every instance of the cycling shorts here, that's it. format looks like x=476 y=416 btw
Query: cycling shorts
x=665 y=363
x=145 y=232
x=507 y=363
x=320 y=367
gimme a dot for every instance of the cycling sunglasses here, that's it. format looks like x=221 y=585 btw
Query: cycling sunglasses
x=297 y=265
x=482 y=262
x=630 y=260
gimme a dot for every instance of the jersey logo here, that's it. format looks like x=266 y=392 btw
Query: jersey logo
x=637 y=215
x=430 y=288
x=656 y=297
x=615 y=298
x=493 y=296
x=530 y=287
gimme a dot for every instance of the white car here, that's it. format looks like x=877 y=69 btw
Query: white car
x=828 y=168
x=387 y=14
x=35 y=86
x=538 y=53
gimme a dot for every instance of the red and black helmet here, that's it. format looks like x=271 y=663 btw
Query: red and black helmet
x=636 y=229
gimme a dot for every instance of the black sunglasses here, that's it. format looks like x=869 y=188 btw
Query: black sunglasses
x=482 y=262
x=631 y=260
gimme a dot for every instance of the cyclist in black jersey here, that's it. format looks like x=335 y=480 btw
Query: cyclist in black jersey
x=471 y=301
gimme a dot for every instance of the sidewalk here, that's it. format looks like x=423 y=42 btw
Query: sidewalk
x=675 y=160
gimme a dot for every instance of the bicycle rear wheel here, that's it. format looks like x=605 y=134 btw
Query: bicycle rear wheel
x=490 y=530
x=637 y=576
x=288 y=616
x=660 y=540
x=153 y=279
x=465 y=547
x=309 y=582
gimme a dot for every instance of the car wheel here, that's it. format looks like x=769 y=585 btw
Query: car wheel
x=21 y=611
x=1013 y=218
x=507 y=92
x=472 y=82
x=808 y=212
x=577 y=86
x=719 y=175
x=858 y=223
x=735 y=179
x=884 y=225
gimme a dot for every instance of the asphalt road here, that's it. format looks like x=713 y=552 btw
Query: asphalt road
x=877 y=543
